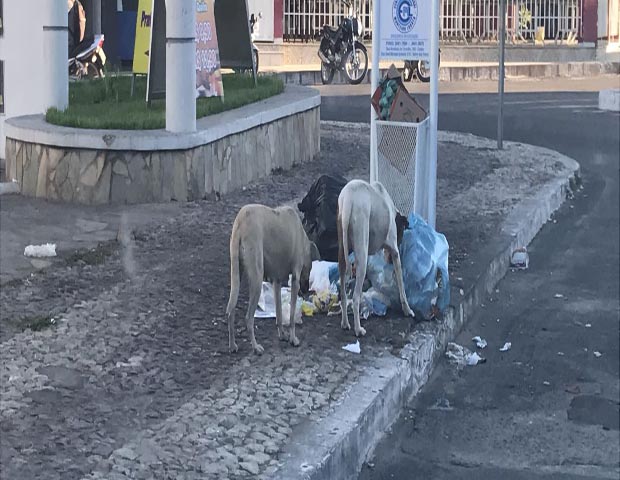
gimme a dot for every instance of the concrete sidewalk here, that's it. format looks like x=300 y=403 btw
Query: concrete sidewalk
x=114 y=361
x=456 y=71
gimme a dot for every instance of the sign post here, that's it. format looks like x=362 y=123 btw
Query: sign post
x=408 y=30
x=434 y=111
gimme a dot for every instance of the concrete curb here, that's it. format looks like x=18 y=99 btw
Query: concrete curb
x=337 y=446
x=475 y=72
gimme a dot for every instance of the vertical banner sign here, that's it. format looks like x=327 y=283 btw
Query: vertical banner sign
x=143 y=38
x=208 y=75
x=405 y=31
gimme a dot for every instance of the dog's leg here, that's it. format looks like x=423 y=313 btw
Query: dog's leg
x=255 y=289
x=277 y=296
x=294 y=290
x=342 y=269
x=253 y=260
x=399 y=279
x=234 y=290
x=360 y=247
x=232 y=345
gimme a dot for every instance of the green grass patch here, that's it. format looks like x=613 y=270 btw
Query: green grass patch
x=107 y=103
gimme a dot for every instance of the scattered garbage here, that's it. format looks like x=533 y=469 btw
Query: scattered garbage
x=373 y=303
x=320 y=275
x=480 y=342
x=46 y=250
x=131 y=362
x=507 y=346
x=353 y=347
x=597 y=354
x=325 y=301
x=308 y=309
x=462 y=356
x=520 y=259
x=392 y=101
x=267 y=304
x=319 y=209
x=424 y=259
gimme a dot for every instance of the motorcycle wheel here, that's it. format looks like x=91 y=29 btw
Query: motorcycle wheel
x=423 y=70
x=327 y=73
x=356 y=66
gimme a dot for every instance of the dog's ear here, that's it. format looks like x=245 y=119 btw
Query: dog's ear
x=402 y=224
x=314 y=252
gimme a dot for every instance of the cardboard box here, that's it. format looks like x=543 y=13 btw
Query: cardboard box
x=405 y=109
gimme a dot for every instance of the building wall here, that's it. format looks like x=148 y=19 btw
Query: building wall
x=21 y=50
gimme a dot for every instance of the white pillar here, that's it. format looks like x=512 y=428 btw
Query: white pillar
x=434 y=101
x=55 y=69
x=181 y=65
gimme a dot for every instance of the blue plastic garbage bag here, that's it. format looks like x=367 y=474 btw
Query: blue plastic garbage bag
x=424 y=254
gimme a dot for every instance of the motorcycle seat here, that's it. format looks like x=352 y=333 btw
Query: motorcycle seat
x=332 y=31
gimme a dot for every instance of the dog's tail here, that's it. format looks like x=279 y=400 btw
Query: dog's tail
x=235 y=246
x=344 y=214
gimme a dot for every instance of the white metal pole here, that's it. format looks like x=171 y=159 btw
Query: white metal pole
x=55 y=71
x=374 y=83
x=434 y=100
x=181 y=65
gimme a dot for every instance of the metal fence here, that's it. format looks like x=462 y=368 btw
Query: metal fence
x=469 y=21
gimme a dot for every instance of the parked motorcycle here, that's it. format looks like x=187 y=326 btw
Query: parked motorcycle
x=86 y=55
x=340 y=50
x=88 y=58
x=421 y=69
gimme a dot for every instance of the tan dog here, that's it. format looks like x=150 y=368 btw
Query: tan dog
x=367 y=221
x=271 y=244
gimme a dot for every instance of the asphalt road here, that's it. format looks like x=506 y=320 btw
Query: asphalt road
x=547 y=408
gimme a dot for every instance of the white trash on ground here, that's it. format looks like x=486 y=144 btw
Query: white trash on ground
x=507 y=346
x=480 y=342
x=462 y=356
x=353 y=347
x=46 y=250
x=267 y=304
x=319 y=276
x=520 y=259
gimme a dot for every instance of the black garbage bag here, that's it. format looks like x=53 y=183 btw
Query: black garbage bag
x=319 y=208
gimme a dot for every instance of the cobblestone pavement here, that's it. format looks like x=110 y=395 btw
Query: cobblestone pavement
x=124 y=372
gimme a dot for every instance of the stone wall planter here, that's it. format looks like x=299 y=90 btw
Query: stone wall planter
x=228 y=151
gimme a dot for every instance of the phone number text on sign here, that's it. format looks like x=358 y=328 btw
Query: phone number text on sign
x=206 y=59
x=203 y=32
